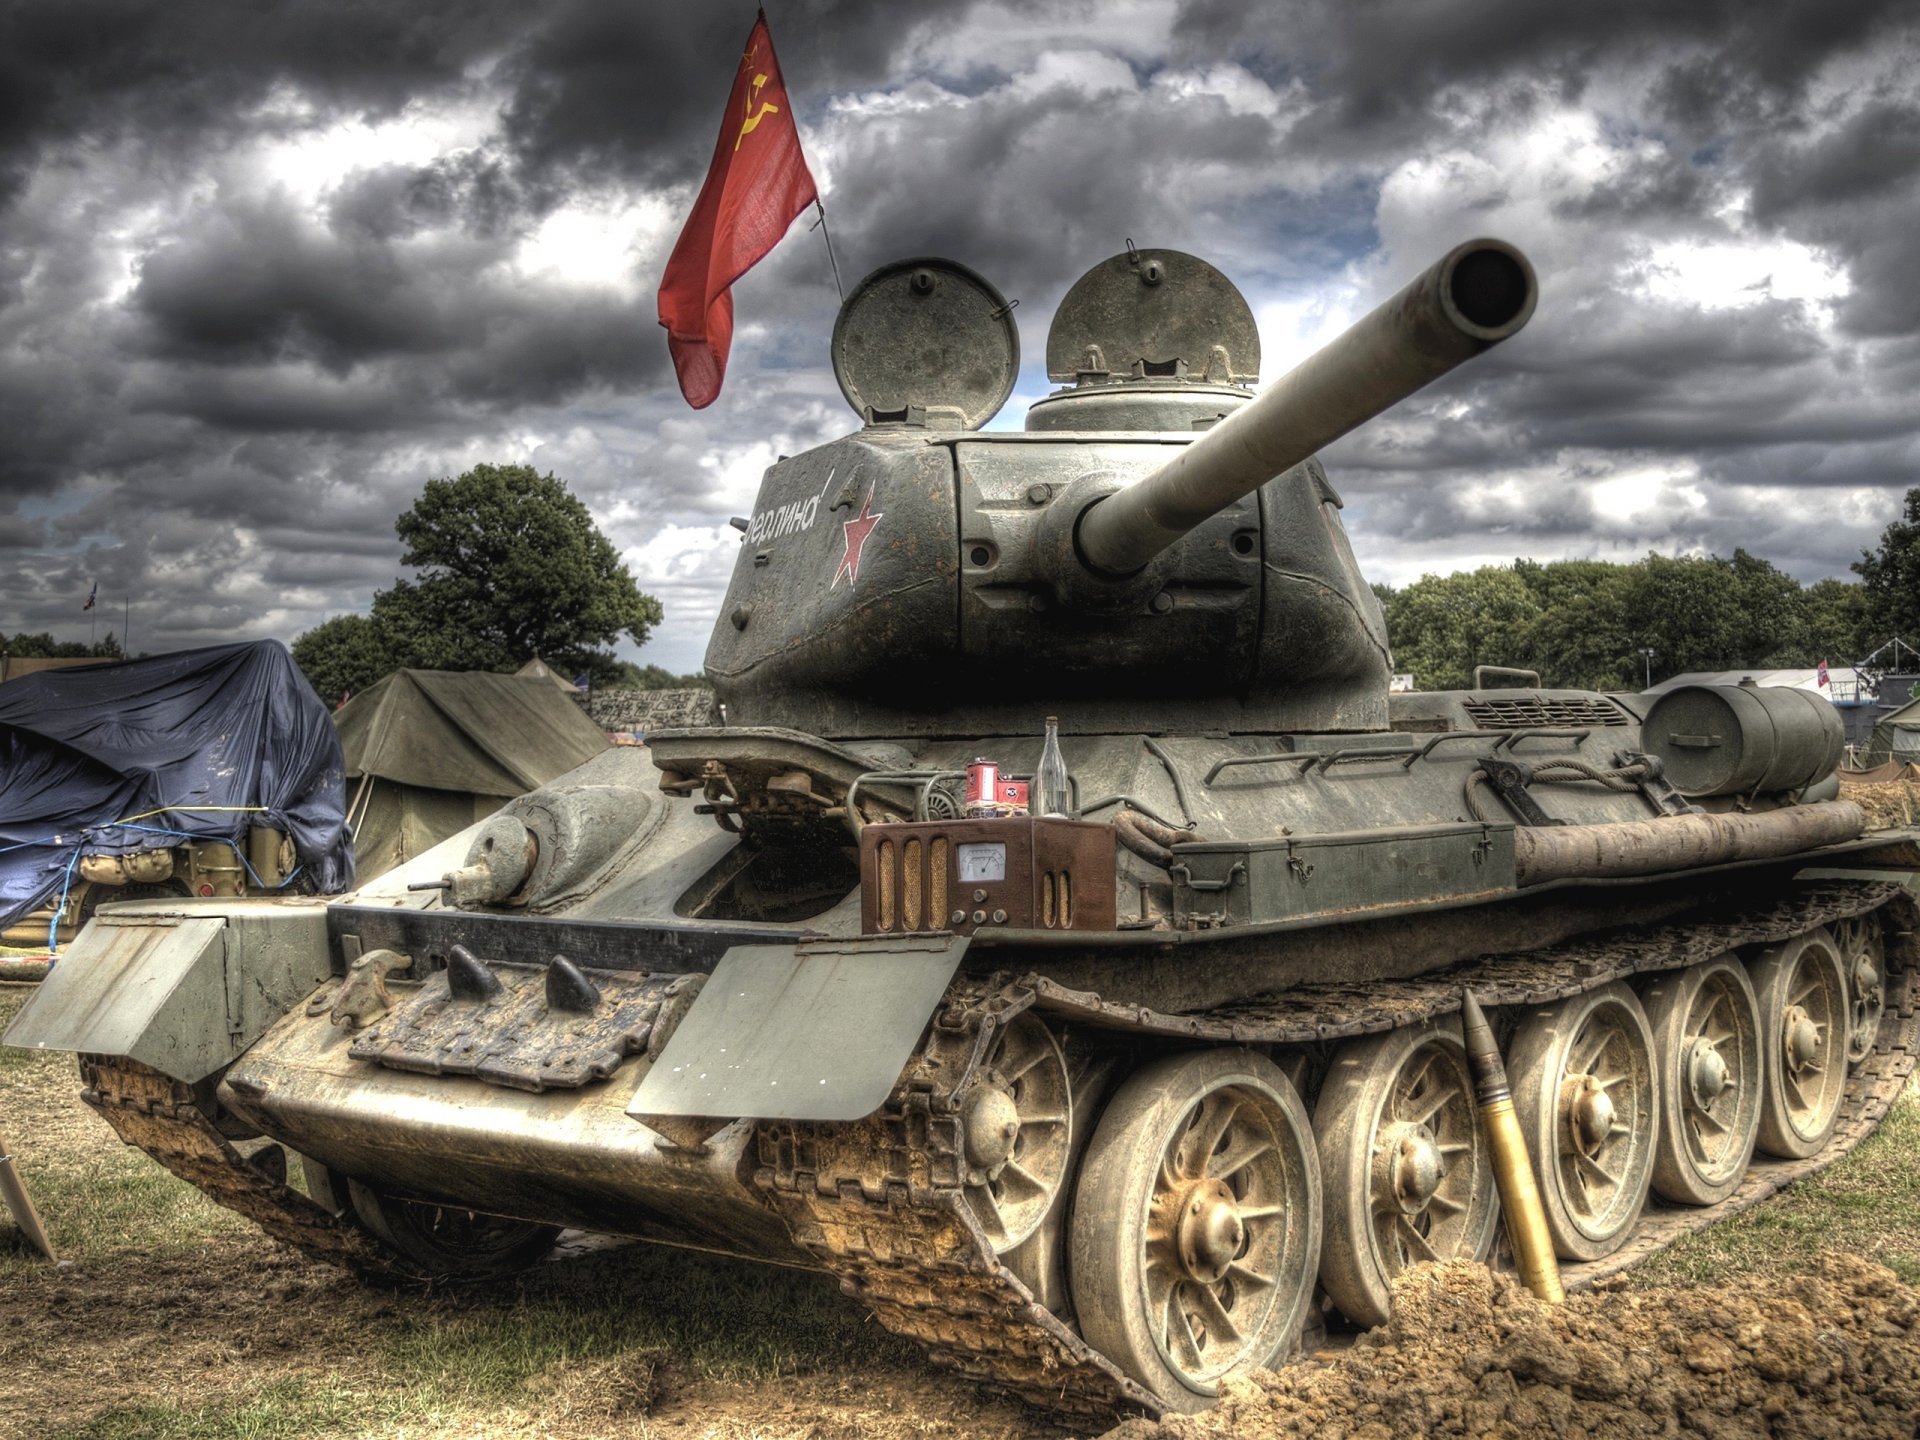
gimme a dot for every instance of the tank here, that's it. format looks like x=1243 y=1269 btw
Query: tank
x=1107 y=1105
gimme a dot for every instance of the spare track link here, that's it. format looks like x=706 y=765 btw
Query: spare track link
x=159 y=1115
x=878 y=1204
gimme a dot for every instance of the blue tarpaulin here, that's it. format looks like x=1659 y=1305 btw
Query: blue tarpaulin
x=199 y=744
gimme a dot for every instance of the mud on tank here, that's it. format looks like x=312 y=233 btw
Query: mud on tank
x=1102 y=1107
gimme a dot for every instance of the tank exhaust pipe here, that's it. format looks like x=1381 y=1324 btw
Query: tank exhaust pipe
x=1477 y=295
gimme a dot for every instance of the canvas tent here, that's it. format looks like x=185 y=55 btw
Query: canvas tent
x=1896 y=737
x=431 y=751
x=538 y=669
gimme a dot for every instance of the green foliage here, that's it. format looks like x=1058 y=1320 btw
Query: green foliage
x=44 y=647
x=510 y=565
x=1583 y=623
x=1444 y=625
x=1890 y=575
x=343 y=656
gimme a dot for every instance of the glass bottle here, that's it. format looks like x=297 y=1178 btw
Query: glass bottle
x=1052 y=795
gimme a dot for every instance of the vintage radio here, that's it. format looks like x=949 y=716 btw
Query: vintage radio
x=1015 y=873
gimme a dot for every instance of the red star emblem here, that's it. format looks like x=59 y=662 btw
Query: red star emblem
x=858 y=529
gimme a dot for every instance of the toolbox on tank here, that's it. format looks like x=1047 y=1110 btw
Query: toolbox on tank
x=1238 y=882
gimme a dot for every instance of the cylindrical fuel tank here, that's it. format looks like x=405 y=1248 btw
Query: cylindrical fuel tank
x=1743 y=739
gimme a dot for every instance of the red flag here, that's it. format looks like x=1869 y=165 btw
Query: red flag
x=757 y=183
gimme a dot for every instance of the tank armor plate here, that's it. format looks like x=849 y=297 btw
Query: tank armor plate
x=516 y=1036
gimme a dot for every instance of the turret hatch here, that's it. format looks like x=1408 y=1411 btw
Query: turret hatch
x=1153 y=314
x=926 y=341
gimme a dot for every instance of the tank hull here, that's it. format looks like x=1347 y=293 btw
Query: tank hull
x=571 y=1158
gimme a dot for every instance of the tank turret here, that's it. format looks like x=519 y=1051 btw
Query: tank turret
x=1156 y=533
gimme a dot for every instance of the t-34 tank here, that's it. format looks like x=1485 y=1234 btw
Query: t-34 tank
x=1104 y=1105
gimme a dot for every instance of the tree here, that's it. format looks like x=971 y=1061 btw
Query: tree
x=1444 y=625
x=510 y=565
x=1891 y=575
x=44 y=647
x=1579 y=639
x=1839 y=621
x=343 y=656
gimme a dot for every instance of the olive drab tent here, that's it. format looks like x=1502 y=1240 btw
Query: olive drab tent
x=431 y=751
x=1896 y=738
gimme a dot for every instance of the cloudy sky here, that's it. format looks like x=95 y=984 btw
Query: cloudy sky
x=267 y=267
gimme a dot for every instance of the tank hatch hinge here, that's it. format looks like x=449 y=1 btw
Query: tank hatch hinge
x=1654 y=784
x=1510 y=779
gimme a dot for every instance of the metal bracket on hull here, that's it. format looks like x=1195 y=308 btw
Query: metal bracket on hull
x=814 y=1031
x=1510 y=779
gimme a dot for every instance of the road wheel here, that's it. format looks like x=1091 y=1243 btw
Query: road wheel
x=1016 y=1132
x=1706 y=1039
x=1404 y=1167
x=1196 y=1227
x=450 y=1242
x=1587 y=1096
x=1863 y=960
x=1803 y=1042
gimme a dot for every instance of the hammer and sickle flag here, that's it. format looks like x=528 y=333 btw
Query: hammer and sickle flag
x=758 y=182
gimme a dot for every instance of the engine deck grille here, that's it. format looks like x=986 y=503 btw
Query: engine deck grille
x=1532 y=712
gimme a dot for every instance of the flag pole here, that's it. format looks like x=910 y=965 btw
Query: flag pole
x=818 y=204
x=827 y=235
x=126 y=628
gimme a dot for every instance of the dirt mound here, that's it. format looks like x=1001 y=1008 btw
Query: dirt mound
x=1831 y=1352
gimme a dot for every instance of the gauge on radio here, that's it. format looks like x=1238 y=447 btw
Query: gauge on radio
x=981 y=862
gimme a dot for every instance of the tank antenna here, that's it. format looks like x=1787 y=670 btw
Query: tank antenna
x=827 y=235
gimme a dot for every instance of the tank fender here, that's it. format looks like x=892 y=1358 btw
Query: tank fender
x=818 y=1030
x=185 y=987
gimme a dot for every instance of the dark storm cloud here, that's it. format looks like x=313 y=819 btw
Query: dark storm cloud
x=611 y=88
x=167 y=75
x=222 y=384
x=1383 y=63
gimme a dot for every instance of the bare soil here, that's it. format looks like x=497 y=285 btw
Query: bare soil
x=1830 y=1352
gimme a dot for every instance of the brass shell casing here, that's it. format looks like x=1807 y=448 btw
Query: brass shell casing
x=1520 y=1202
x=1512 y=1167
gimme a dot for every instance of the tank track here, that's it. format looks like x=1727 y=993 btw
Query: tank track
x=877 y=1203
x=161 y=1116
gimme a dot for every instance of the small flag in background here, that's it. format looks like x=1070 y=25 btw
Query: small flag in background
x=758 y=181
x=1821 y=683
x=92 y=595
x=581 y=680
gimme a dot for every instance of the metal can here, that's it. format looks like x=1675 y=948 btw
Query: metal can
x=983 y=789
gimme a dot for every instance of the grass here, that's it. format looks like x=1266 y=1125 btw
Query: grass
x=97 y=1197
x=587 y=1338
x=1866 y=1203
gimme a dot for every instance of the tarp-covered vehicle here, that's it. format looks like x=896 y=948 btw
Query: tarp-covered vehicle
x=208 y=772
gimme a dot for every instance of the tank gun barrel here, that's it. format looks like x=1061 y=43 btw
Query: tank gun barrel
x=1474 y=297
